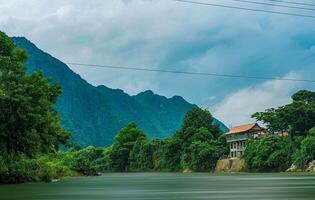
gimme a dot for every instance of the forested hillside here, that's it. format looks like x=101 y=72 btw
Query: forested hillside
x=95 y=114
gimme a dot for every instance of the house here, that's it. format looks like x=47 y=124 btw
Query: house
x=238 y=137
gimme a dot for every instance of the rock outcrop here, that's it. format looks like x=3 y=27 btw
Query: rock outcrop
x=230 y=165
x=310 y=168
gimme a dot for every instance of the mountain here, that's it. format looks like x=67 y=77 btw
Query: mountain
x=94 y=114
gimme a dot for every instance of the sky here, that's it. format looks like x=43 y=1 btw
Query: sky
x=171 y=35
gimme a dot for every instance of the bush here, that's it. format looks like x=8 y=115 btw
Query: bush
x=270 y=153
x=55 y=166
x=201 y=156
x=306 y=153
x=104 y=163
x=90 y=161
x=140 y=157
x=3 y=166
x=20 y=169
x=23 y=169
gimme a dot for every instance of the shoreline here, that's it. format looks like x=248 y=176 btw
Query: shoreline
x=179 y=173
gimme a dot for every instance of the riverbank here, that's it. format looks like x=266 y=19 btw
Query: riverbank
x=309 y=168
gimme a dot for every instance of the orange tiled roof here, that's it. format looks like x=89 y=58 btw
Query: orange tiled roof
x=242 y=128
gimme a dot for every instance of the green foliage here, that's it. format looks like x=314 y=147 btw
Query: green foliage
x=296 y=118
x=129 y=135
x=140 y=157
x=21 y=169
x=197 y=146
x=270 y=153
x=306 y=153
x=201 y=156
x=127 y=140
x=3 y=167
x=167 y=156
x=29 y=124
x=86 y=161
x=197 y=118
x=312 y=132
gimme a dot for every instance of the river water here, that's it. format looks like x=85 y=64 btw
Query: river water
x=168 y=186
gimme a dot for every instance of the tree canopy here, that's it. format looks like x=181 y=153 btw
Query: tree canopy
x=130 y=150
x=195 y=146
x=297 y=118
x=29 y=123
x=306 y=152
x=269 y=153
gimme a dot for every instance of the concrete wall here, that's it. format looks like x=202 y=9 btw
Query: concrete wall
x=230 y=165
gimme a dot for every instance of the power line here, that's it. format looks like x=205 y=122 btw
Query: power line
x=191 y=73
x=276 y=5
x=245 y=8
x=292 y=2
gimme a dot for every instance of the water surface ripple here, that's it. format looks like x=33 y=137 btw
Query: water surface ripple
x=168 y=186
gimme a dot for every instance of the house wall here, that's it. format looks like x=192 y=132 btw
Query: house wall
x=238 y=142
x=237 y=148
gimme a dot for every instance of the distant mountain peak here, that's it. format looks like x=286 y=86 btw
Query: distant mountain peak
x=178 y=98
x=95 y=114
x=19 y=39
x=147 y=93
x=108 y=88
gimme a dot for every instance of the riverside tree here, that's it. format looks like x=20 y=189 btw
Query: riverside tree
x=29 y=124
x=297 y=118
x=128 y=139
x=195 y=146
x=306 y=153
x=269 y=153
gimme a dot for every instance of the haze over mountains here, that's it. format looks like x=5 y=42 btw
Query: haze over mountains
x=94 y=114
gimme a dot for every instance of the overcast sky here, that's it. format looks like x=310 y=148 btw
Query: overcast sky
x=169 y=35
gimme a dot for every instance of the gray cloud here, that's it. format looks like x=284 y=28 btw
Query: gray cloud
x=168 y=35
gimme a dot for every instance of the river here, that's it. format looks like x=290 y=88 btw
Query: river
x=168 y=186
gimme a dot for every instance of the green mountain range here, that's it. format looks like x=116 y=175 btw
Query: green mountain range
x=94 y=114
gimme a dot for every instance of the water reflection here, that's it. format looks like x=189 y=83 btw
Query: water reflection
x=169 y=186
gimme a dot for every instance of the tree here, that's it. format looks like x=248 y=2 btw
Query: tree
x=197 y=118
x=194 y=146
x=85 y=161
x=296 y=118
x=306 y=153
x=140 y=157
x=125 y=141
x=201 y=156
x=168 y=155
x=29 y=124
x=269 y=153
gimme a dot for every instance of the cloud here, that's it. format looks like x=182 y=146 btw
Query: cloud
x=238 y=107
x=166 y=35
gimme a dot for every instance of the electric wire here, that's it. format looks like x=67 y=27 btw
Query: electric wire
x=245 y=8
x=190 y=73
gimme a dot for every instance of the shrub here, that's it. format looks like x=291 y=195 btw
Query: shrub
x=306 y=153
x=270 y=153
